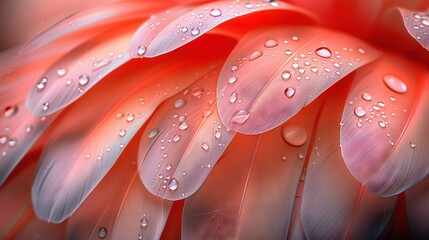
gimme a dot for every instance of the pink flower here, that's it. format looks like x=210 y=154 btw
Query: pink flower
x=218 y=119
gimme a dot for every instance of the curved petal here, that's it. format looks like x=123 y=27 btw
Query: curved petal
x=275 y=72
x=384 y=136
x=174 y=28
x=417 y=24
x=84 y=148
x=183 y=140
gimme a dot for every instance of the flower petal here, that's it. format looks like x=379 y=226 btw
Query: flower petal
x=384 y=136
x=130 y=212
x=251 y=191
x=417 y=24
x=417 y=202
x=183 y=141
x=275 y=72
x=334 y=204
x=87 y=143
x=176 y=27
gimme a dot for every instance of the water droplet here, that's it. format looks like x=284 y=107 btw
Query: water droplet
x=205 y=146
x=232 y=79
x=425 y=21
x=301 y=156
x=177 y=138
x=102 y=232
x=382 y=124
x=366 y=97
x=234 y=68
x=361 y=50
x=240 y=117
x=42 y=84
x=119 y=115
x=195 y=31
x=173 y=185
x=294 y=135
x=270 y=43
x=168 y=167
x=184 y=29
x=100 y=64
x=248 y=5
x=141 y=50
x=45 y=106
x=218 y=134
x=395 y=84
x=28 y=129
x=140 y=236
x=61 y=72
x=294 y=38
x=198 y=92
x=12 y=142
x=233 y=97
x=286 y=75
x=179 y=103
x=288 y=52
x=83 y=80
x=215 y=12
x=3 y=139
x=360 y=111
x=413 y=145
x=323 y=52
x=256 y=54
x=183 y=126
x=130 y=117
x=10 y=111
x=144 y=222
x=122 y=132
x=290 y=92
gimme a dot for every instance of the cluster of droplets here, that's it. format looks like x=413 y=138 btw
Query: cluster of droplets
x=419 y=24
x=143 y=223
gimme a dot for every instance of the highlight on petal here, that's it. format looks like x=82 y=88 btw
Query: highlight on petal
x=81 y=150
x=274 y=72
x=174 y=28
x=183 y=141
x=250 y=193
x=384 y=134
x=417 y=24
x=334 y=204
x=126 y=210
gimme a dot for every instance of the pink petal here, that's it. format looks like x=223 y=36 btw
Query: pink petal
x=86 y=143
x=130 y=211
x=335 y=205
x=275 y=72
x=417 y=202
x=253 y=186
x=384 y=137
x=176 y=27
x=417 y=24
x=78 y=71
x=183 y=141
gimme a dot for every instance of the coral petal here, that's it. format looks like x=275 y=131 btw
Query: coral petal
x=417 y=24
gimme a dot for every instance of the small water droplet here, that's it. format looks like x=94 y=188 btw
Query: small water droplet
x=173 y=184
x=215 y=12
x=144 y=222
x=140 y=236
x=425 y=21
x=100 y=64
x=323 y=52
x=366 y=97
x=248 y=5
x=288 y=52
x=195 y=31
x=413 y=145
x=270 y=43
x=119 y=115
x=294 y=135
x=61 y=72
x=130 y=117
x=240 y=117
x=233 y=97
x=218 y=134
x=141 y=50
x=177 y=138
x=232 y=79
x=179 y=103
x=168 y=167
x=102 y=232
x=3 y=139
x=286 y=75
x=45 y=106
x=122 y=132
x=205 y=146
x=83 y=80
x=256 y=54
x=382 y=124
x=28 y=129
x=198 y=92
x=234 y=68
x=301 y=156
x=12 y=142
x=184 y=29
x=183 y=126
x=10 y=111
x=360 y=111
x=290 y=92
x=295 y=38
x=395 y=84
x=42 y=84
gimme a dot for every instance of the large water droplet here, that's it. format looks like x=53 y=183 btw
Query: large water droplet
x=240 y=117
x=198 y=92
x=271 y=43
x=323 y=52
x=168 y=166
x=286 y=75
x=195 y=31
x=205 y=146
x=382 y=124
x=218 y=134
x=425 y=21
x=144 y=222
x=233 y=97
x=395 y=84
x=83 y=80
x=256 y=54
x=360 y=111
x=102 y=232
x=141 y=50
x=10 y=111
x=294 y=135
x=290 y=92
x=179 y=103
x=215 y=12
x=173 y=184
x=42 y=84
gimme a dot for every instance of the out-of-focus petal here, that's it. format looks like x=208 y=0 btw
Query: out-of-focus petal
x=274 y=72
x=417 y=202
x=174 y=28
x=417 y=24
x=82 y=149
x=120 y=207
x=384 y=136
x=40 y=229
x=251 y=191
x=335 y=205
x=183 y=141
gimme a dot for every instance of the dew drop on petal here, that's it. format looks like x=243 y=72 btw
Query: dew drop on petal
x=45 y=106
x=256 y=54
x=218 y=134
x=215 y=12
x=144 y=222
x=177 y=138
x=286 y=75
x=290 y=92
x=294 y=135
x=102 y=232
x=205 y=146
x=141 y=50
x=83 y=80
x=179 y=103
x=119 y=115
x=413 y=145
x=425 y=21
x=3 y=139
x=61 y=72
x=270 y=43
x=183 y=126
x=10 y=111
x=366 y=97
x=233 y=97
x=395 y=84
x=173 y=184
x=382 y=124
x=232 y=79
x=140 y=236
x=42 y=84
x=168 y=166
x=122 y=132
x=360 y=111
x=12 y=142
x=240 y=117
x=323 y=52
x=195 y=31
x=130 y=117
